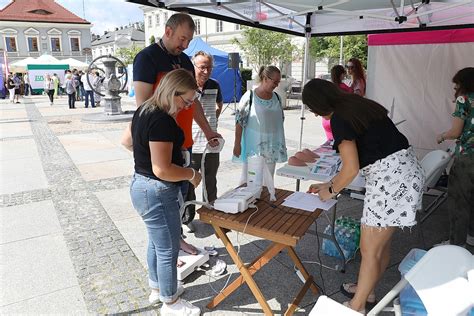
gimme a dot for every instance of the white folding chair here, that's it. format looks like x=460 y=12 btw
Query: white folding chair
x=326 y=306
x=434 y=165
x=440 y=279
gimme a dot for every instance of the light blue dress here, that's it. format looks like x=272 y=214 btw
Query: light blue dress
x=263 y=132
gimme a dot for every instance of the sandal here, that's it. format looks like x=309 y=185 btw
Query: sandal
x=348 y=305
x=345 y=289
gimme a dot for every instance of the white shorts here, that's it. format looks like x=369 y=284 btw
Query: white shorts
x=394 y=190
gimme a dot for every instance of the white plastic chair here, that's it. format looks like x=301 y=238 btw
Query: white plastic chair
x=440 y=280
x=326 y=306
x=434 y=164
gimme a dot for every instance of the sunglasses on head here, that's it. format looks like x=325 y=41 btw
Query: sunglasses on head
x=349 y=66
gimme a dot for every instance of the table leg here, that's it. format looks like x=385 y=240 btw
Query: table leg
x=294 y=305
x=246 y=275
x=300 y=266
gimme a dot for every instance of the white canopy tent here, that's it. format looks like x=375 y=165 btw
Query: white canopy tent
x=74 y=63
x=331 y=17
x=20 y=65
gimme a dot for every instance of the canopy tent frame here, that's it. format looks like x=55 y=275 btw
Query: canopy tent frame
x=400 y=18
x=400 y=22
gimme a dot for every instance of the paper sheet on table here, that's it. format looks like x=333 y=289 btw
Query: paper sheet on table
x=307 y=202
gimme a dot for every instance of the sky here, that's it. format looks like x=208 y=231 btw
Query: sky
x=103 y=14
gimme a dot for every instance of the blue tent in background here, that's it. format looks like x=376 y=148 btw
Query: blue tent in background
x=221 y=72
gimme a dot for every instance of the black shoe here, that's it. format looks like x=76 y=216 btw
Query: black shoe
x=368 y=305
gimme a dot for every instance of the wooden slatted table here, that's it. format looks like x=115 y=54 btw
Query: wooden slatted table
x=283 y=226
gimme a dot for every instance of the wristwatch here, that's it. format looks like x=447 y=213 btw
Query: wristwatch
x=331 y=190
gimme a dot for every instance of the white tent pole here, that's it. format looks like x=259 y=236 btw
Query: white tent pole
x=305 y=72
x=305 y=78
x=341 y=48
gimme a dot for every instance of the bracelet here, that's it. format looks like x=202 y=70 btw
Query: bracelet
x=194 y=174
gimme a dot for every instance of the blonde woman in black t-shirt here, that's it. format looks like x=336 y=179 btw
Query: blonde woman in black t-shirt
x=156 y=141
x=367 y=140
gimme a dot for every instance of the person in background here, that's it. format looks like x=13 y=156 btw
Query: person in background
x=17 y=83
x=10 y=85
x=81 y=85
x=70 y=87
x=89 y=94
x=337 y=76
x=48 y=86
x=26 y=79
x=461 y=176
x=153 y=62
x=156 y=141
x=210 y=96
x=97 y=85
x=367 y=140
x=357 y=73
x=57 y=84
x=259 y=123
x=77 y=80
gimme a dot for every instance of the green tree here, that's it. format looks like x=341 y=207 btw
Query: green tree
x=127 y=54
x=152 y=39
x=328 y=47
x=263 y=47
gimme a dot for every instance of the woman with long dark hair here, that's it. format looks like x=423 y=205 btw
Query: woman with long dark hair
x=356 y=71
x=367 y=140
x=460 y=188
x=337 y=75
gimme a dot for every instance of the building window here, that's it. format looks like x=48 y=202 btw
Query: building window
x=75 y=46
x=149 y=21
x=157 y=20
x=32 y=44
x=10 y=43
x=219 y=27
x=55 y=44
x=166 y=16
x=237 y=27
x=197 y=30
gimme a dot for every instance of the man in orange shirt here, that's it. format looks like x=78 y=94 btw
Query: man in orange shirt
x=153 y=62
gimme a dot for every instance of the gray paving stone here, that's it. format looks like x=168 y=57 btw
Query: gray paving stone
x=89 y=233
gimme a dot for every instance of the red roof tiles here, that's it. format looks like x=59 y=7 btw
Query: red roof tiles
x=38 y=11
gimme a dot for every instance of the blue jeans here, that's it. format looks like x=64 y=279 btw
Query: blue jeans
x=157 y=204
x=90 y=94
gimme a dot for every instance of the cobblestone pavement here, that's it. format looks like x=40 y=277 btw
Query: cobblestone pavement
x=111 y=278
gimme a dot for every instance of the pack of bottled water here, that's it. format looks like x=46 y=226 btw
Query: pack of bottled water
x=347 y=232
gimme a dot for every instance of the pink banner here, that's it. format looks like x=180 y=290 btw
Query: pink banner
x=425 y=37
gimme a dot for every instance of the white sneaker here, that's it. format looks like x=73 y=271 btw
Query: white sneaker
x=155 y=294
x=180 y=308
x=470 y=240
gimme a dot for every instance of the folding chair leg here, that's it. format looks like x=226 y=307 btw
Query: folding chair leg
x=434 y=206
x=393 y=293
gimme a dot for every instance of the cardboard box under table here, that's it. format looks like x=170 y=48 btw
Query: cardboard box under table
x=283 y=226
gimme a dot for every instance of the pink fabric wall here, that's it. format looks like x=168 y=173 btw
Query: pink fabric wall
x=425 y=37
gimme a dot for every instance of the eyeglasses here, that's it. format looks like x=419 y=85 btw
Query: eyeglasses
x=277 y=82
x=203 y=68
x=188 y=103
